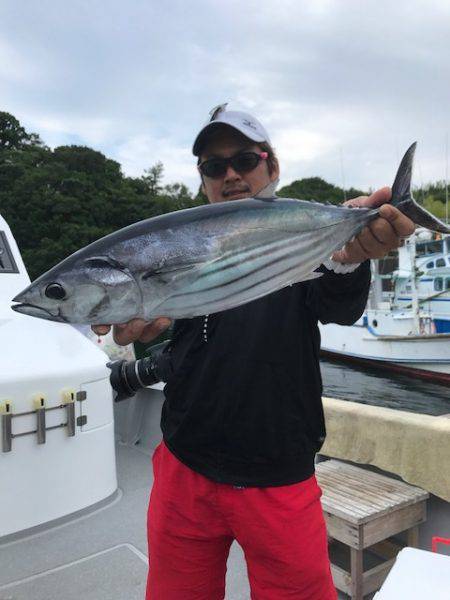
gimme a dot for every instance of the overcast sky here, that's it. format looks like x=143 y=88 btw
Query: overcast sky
x=343 y=87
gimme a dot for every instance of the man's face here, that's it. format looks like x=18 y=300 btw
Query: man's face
x=233 y=185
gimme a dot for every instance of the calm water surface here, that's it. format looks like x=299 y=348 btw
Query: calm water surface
x=380 y=388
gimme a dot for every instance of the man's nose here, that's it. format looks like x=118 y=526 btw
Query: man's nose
x=231 y=174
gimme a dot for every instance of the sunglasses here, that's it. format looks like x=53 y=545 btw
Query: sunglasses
x=243 y=162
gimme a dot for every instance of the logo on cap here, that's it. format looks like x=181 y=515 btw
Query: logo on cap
x=249 y=124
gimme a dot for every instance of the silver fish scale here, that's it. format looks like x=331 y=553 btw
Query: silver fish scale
x=261 y=255
x=164 y=250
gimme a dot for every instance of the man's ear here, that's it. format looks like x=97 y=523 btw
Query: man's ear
x=202 y=185
x=275 y=171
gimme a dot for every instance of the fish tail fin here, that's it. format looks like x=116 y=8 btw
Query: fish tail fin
x=403 y=200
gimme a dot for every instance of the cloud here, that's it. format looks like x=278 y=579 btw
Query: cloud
x=143 y=150
x=343 y=87
x=14 y=68
x=58 y=128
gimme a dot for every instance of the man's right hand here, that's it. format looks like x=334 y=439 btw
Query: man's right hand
x=135 y=330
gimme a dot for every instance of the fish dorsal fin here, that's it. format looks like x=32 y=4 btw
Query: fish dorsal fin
x=268 y=192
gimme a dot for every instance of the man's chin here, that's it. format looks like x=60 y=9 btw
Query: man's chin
x=237 y=196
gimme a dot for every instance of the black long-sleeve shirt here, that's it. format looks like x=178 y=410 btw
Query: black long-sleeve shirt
x=243 y=405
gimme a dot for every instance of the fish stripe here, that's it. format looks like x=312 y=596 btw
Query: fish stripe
x=222 y=304
x=271 y=270
x=256 y=270
x=240 y=255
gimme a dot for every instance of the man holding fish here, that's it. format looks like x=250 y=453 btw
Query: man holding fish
x=243 y=419
x=246 y=279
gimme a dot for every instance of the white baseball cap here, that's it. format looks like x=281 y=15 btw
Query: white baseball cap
x=244 y=122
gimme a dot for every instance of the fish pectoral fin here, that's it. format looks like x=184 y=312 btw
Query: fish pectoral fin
x=169 y=272
x=104 y=269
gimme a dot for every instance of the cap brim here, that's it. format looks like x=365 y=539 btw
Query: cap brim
x=201 y=138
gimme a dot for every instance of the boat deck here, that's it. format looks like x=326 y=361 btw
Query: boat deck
x=101 y=554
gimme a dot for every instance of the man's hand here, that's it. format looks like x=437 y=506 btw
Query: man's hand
x=135 y=330
x=380 y=236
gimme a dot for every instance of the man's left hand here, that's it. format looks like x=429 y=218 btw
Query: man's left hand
x=380 y=236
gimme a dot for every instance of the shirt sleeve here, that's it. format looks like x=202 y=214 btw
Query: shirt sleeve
x=337 y=297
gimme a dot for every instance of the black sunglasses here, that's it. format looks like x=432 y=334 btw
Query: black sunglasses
x=243 y=162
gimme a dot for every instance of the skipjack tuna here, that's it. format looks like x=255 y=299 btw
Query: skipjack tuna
x=205 y=259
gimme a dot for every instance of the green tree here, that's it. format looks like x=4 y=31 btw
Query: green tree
x=65 y=200
x=201 y=198
x=435 y=206
x=152 y=178
x=59 y=201
x=13 y=136
x=319 y=190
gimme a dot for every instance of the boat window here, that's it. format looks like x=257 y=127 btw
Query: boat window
x=438 y=284
x=440 y=262
x=433 y=247
x=447 y=283
x=7 y=262
x=430 y=265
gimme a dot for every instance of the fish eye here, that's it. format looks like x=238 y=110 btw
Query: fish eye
x=55 y=291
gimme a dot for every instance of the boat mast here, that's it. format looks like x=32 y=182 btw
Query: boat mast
x=414 y=292
x=376 y=293
x=446 y=178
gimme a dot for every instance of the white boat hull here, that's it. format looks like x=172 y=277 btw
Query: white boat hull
x=426 y=356
x=57 y=454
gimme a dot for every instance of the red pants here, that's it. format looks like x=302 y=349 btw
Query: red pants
x=192 y=522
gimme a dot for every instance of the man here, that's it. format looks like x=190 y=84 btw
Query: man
x=243 y=418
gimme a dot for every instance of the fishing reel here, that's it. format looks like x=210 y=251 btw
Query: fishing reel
x=129 y=376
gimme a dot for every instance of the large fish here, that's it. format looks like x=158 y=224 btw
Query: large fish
x=205 y=259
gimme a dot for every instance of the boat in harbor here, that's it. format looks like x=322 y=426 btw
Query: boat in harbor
x=431 y=275
x=388 y=339
x=405 y=330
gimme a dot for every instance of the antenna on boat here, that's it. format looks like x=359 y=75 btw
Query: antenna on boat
x=414 y=291
x=446 y=178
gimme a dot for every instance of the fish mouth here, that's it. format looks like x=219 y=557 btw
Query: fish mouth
x=37 y=311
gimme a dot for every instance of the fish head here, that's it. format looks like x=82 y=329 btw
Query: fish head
x=90 y=290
